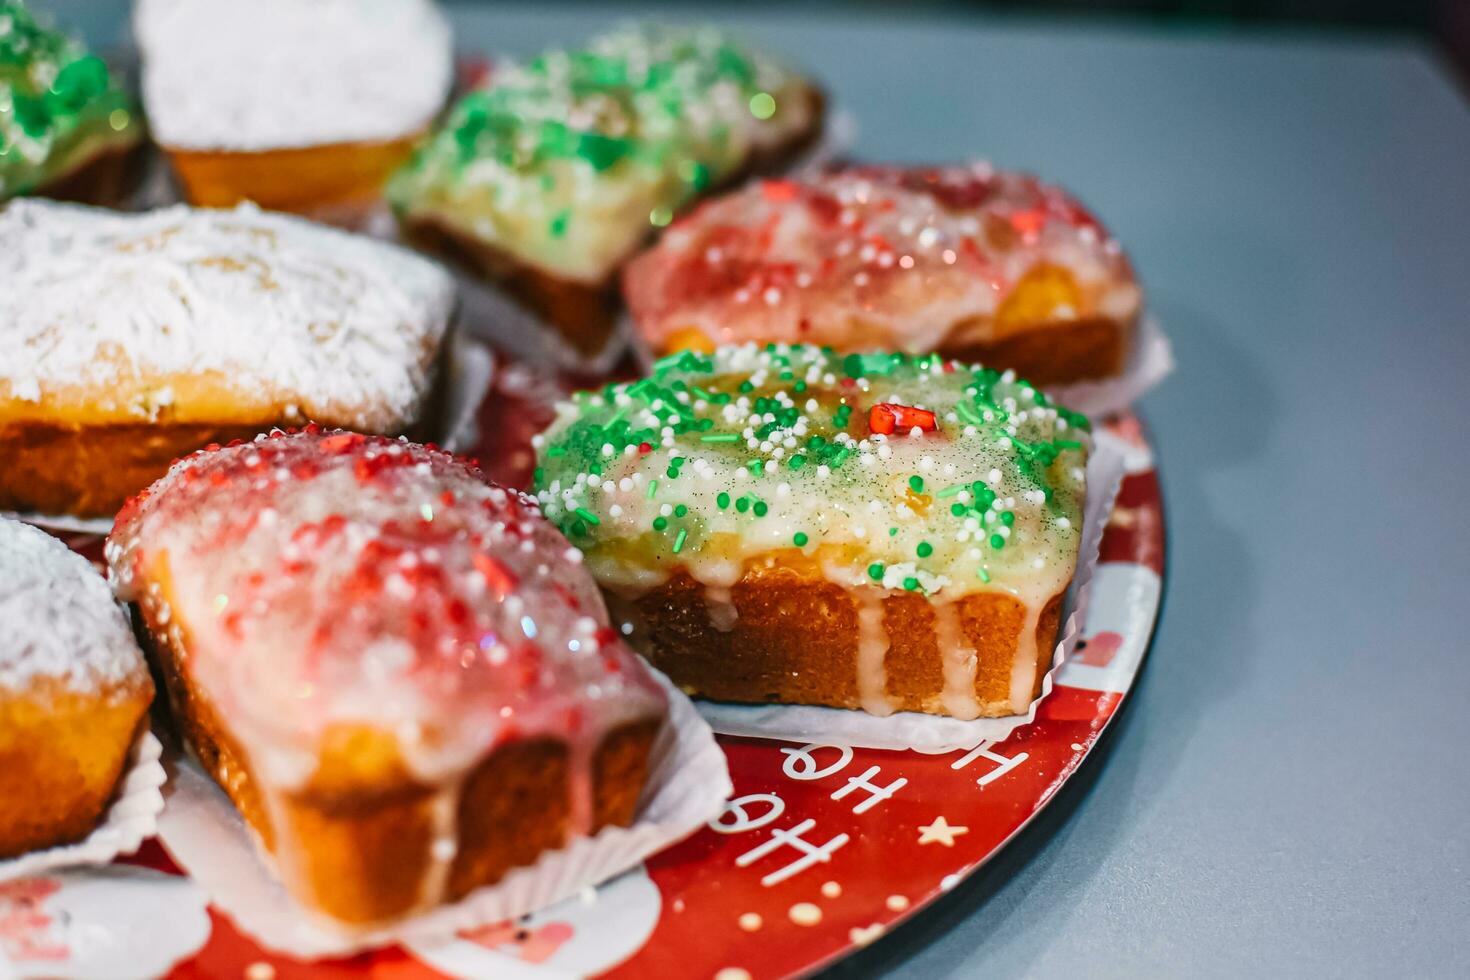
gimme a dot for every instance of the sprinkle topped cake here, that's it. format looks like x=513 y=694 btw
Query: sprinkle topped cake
x=399 y=671
x=879 y=475
x=60 y=109
x=567 y=162
x=969 y=261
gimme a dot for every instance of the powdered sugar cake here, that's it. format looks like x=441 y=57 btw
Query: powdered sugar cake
x=74 y=692
x=399 y=672
x=969 y=261
x=132 y=339
x=788 y=524
x=296 y=106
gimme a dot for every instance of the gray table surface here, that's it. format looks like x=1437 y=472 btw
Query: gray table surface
x=1287 y=790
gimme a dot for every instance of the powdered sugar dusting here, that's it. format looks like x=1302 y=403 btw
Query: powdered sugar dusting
x=57 y=617
x=273 y=74
x=341 y=326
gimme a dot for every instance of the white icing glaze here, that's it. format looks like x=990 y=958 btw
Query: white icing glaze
x=257 y=75
x=58 y=619
x=959 y=660
x=882 y=257
x=339 y=579
x=281 y=310
x=718 y=602
x=1023 y=670
x=872 y=650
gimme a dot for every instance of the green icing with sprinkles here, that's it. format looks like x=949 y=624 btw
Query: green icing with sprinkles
x=566 y=161
x=745 y=464
x=59 y=105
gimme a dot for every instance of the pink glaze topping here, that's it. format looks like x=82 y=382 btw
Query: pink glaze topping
x=330 y=577
x=904 y=258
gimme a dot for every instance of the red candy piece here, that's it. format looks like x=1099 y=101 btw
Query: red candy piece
x=884 y=419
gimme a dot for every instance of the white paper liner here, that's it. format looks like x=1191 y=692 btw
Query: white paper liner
x=934 y=733
x=1149 y=362
x=688 y=784
x=467 y=375
x=131 y=818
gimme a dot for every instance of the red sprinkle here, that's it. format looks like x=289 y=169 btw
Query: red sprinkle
x=884 y=419
x=644 y=448
x=779 y=190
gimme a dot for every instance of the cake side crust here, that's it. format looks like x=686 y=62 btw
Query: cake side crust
x=61 y=755
x=797 y=638
x=364 y=830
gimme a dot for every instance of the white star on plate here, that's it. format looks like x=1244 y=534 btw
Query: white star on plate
x=941 y=830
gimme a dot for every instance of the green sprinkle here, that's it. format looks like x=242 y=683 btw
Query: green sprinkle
x=720 y=437
x=672 y=472
x=587 y=516
x=892 y=531
x=680 y=510
x=911 y=583
x=916 y=483
x=558 y=226
x=796 y=462
x=800 y=539
x=723 y=500
x=925 y=549
x=950 y=491
x=659 y=523
x=652 y=489
x=997 y=542
x=875 y=571
x=679 y=540
x=760 y=508
x=958 y=510
x=743 y=504
x=556 y=451
x=984 y=575
x=762 y=105
x=1007 y=518
x=659 y=217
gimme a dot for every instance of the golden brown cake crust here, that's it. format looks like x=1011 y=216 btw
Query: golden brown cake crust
x=1056 y=353
x=88 y=471
x=106 y=180
x=61 y=755
x=796 y=640
x=303 y=180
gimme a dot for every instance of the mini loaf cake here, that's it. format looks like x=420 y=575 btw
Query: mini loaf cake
x=66 y=128
x=298 y=105
x=129 y=340
x=968 y=261
x=74 y=692
x=399 y=673
x=787 y=524
x=557 y=171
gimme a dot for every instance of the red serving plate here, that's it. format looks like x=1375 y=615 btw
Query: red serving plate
x=821 y=851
